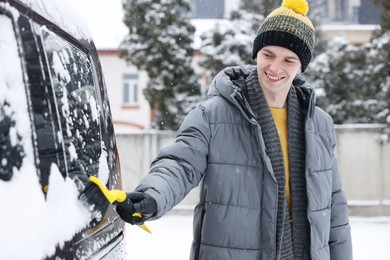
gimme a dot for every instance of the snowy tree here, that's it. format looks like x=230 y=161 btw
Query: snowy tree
x=229 y=43
x=317 y=17
x=159 y=42
x=377 y=74
x=354 y=81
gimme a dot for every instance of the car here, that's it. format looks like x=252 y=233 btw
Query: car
x=56 y=130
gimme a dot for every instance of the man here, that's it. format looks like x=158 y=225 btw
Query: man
x=263 y=153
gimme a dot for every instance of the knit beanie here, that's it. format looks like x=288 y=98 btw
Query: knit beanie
x=288 y=27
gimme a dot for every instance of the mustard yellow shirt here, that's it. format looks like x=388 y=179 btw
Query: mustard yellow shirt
x=280 y=119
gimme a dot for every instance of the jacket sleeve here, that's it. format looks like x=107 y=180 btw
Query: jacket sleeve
x=340 y=241
x=179 y=167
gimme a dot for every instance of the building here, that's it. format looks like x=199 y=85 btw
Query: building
x=369 y=13
x=347 y=11
x=216 y=9
x=130 y=110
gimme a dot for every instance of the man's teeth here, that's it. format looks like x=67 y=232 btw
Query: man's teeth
x=274 y=78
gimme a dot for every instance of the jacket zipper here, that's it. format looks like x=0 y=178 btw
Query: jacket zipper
x=250 y=117
x=237 y=97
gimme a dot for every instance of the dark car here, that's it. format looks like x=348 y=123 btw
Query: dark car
x=55 y=131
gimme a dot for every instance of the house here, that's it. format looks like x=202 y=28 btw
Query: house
x=130 y=110
x=125 y=84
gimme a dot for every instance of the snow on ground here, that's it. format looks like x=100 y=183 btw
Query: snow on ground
x=172 y=235
x=371 y=238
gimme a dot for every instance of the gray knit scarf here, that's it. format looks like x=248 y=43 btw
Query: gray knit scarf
x=292 y=233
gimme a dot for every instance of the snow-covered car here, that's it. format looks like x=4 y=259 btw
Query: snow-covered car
x=55 y=131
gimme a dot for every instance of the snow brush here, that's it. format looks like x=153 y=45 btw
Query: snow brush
x=115 y=196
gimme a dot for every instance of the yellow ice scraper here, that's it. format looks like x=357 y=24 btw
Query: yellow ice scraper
x=116 y=196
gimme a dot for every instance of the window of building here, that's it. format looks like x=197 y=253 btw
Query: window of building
x=130 y=89
x=206 y=9
x=341 y=10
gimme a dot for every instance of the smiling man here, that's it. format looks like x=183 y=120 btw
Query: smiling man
x=263 y=154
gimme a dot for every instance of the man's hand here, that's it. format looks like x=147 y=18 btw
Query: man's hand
x=136 y=202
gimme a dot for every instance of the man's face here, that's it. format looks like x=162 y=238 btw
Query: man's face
x=276 y=68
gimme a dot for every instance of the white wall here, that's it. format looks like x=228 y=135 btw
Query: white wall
x=363 y=153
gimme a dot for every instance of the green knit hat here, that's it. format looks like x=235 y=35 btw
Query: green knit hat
x=288 y=27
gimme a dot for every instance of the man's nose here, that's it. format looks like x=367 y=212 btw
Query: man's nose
x=275 y=66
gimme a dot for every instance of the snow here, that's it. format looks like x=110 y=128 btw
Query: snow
x=371 y=238
x=103 y=166
x=63 y=13
x=202 y=26
x=172 y=236
x=35 y=223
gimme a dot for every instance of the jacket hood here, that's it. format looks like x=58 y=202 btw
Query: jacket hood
x=229 y=82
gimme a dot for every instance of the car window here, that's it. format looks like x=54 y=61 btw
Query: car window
x=76 y=102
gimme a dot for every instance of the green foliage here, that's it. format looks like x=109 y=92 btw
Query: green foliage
x=159 y=42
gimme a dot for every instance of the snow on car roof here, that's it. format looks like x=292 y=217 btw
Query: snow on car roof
x=64 y=14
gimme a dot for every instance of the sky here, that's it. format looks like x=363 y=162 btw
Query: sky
x=104 y=19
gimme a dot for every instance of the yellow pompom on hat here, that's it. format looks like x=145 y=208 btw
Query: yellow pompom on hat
x=288 y=27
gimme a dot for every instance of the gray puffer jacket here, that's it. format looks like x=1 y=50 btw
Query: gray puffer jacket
x=220 y=145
